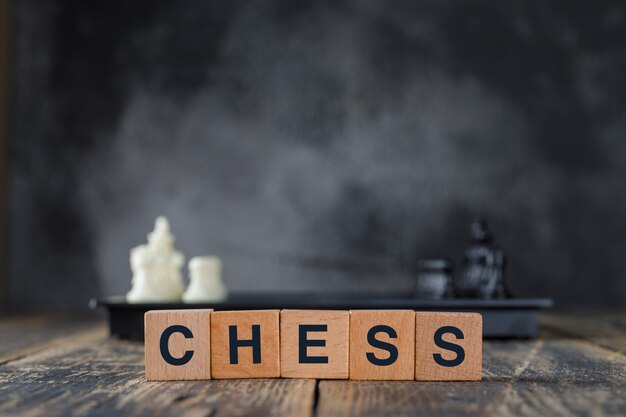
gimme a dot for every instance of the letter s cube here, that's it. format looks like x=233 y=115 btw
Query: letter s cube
x=382 y=344
x=448 y=346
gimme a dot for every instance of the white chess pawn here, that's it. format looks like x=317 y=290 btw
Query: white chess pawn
x=205 y=280
x=156 y=268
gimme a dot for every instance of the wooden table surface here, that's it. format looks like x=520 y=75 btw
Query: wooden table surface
x=57 y=366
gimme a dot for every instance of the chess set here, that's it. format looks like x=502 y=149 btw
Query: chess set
x=157 y=284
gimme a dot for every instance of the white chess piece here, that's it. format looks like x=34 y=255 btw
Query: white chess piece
x=156 y=268
x=205 y=280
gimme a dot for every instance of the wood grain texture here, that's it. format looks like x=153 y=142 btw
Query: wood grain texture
x=335 y=339
x=403 y=323
x=196 y=345
x=606 y=330
x=268 y=322
x=558 y=376
x=106 y=378
x=25 y=336
x=427 y=350
x=85 y=373
x=550 y=376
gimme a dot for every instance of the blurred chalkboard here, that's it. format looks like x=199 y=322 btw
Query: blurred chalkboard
x=317 y=145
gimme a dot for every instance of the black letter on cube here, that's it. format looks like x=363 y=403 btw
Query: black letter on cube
x=165 y=351
x=235 y=344
x=393 y=351
x=460 y=352
x=304 y=343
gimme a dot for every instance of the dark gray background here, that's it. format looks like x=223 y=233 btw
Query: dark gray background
x=318 y=145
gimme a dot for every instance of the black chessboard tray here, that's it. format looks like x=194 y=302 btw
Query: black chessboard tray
x=502 y=318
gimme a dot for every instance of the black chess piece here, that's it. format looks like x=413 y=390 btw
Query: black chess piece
x=434 y=279
x=483 y=274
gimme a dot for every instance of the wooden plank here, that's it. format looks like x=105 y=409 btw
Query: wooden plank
x=566 y=377
x=403 y=398
x=84 y=372
x=607 y=330
x=20 y=337
x=106 y=377
x=550 y=376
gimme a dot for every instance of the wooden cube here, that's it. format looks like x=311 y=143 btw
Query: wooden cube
x=448 y=346
x=245 y=344
x=314 y=344
x=382 y=344
x=177 y=344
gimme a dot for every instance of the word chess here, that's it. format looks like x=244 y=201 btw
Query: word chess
x=322 y=344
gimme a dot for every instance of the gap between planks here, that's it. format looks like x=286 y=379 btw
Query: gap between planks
x=91 y=335
x=517 y=373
